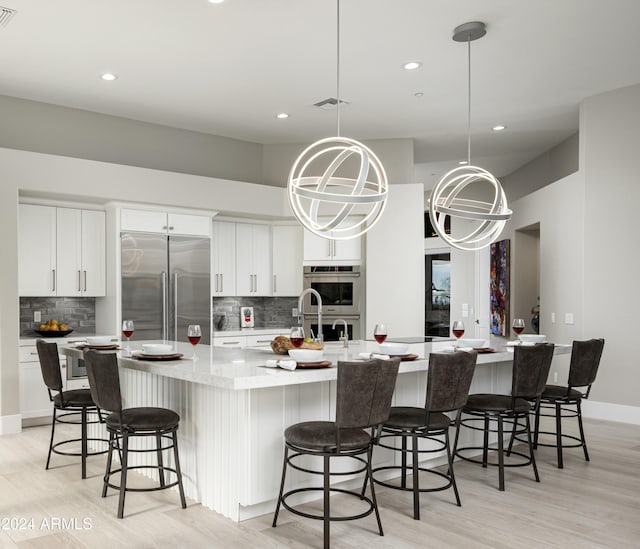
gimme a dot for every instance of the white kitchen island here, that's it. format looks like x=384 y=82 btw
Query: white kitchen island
x=234 y=411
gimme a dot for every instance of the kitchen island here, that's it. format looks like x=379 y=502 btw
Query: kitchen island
x=234 y=411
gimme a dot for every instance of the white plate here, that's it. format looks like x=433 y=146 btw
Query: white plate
x=157 y=349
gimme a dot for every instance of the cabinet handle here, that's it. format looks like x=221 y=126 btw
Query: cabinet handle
x=171 y=227
x=230 y=342
x=34 y=353
x=222 y=282
x=79 y=288
x=53 y=280
x=85 y=280
x=215 y=289
x=274 y=283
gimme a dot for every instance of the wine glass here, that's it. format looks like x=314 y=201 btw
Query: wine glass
x=193 y=335
x=127 y=332
x=297 y=336
x=458 y=330
x=518 y=327
x=380 y=333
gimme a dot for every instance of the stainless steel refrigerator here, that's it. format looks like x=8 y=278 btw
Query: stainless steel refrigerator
x=166 y=285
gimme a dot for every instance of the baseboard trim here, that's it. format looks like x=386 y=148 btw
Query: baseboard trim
x=10 y=425
x=611 y=412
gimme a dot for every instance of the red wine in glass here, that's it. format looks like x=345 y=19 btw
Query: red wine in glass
x=194 y=340
x=517 y=326
x=518 y=329
x=297 y=336
x=380 y=337
x=194 y=333
x=380 y=333
x=458 y=329
x=458 y=333
x=127 y=333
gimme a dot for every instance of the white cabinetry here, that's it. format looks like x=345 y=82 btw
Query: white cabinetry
x=253 y=260
x=323 y=251
x=151 y=221
x=287 y=260
x=261 y=339
x=61 y=251
x=224 y=259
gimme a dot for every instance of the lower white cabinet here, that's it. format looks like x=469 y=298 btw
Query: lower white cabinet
x=261 y=339
x=34 y=397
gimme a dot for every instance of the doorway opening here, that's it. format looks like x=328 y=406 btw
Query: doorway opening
x=437 y=300
x=525 y=296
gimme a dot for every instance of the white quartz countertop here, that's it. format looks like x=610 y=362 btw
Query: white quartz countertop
x=241 y=369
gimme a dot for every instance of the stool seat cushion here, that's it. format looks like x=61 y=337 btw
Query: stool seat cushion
x=496 y=403
x=321 y=436
x=558 y=392
x=75 y=397
x=410 y=417
x=144 y=419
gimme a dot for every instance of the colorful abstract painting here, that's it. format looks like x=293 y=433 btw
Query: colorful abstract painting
x=499 y=288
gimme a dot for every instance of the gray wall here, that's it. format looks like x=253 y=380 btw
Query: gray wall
x=41 y=127
x=553 y=165
x=268 y=312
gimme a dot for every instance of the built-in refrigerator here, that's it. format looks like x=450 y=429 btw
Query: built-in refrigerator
x=166 y=285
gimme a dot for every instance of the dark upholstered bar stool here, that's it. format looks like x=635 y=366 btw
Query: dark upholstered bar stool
x=160 y=423
x=530 y=371
x=68 y=403
x=565 y=401
x=448 y=385
x=363 y=398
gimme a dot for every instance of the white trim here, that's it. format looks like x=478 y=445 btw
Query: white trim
x=611 y=412
x=10 y=425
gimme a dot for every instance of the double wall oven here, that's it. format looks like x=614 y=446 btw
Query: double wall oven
x=340 y=288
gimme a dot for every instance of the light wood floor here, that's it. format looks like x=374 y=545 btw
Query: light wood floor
x=595 y=504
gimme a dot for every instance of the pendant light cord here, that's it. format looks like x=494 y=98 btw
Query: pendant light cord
x=338 y=68
x=469 y=101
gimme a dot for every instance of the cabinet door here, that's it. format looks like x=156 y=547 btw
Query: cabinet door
x=69 y=252
x=347 y=251
x=224 y=259
x=316 y=248
x=262 y=270
x=143 y=221
x=244 y=260
x=287 y=260
x=37 y=250
x=93 y=253
x=193 y=225
x=232 y=342
x=34 y=397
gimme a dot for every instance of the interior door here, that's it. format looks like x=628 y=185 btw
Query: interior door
x=190 y=288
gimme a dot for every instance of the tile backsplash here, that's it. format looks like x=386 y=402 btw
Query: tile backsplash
x=269 y=312
x=78 y=312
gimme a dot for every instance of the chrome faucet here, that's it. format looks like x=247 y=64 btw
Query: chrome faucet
x=345 y=335
x=306 y=291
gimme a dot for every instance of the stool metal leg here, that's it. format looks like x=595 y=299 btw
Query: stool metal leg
x=83 y=419
x=485 y=444
x=160 y=463
x=500 y=453
x=537 y=427
x=109 y=461
x=416 y=487
x=450 y=472
x=373 y=490
x=559 y=435
x=183 y=501
x=53 y=428
x=327 y=513
x=403 y=478
x=531 y=453
x=123 y=473
x=284 y=472
x=584 y=440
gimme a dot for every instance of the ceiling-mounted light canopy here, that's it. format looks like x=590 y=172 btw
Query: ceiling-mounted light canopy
x=487 y=219
x=337 y=187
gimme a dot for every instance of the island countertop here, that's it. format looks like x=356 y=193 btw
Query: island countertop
x=240 y=369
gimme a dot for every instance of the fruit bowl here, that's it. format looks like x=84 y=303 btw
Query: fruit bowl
x=53 y=333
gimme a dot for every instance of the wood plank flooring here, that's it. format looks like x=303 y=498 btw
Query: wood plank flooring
x=585 y=505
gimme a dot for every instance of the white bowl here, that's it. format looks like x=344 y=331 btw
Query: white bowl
x=156 y=349
x=392 y=348
x=533 y=338
x=99 y=340
x=306 y=355
x=474 y=343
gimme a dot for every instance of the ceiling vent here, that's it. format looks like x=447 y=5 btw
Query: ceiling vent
x=330 y=104
x=5 y=16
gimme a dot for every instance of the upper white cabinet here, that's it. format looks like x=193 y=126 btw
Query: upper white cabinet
x=287 y=260
x=80 y=252
x=253 y=260
x=323 y=251
x=62 y=251
x=224 y=259
x=150 y=221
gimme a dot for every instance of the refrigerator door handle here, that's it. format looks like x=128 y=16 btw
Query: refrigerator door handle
x=164 y=305
x=175 y=306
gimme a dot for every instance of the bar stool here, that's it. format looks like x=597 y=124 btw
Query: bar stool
x=448 y=385
x=530 y=371
x=160 y=423
x=363 y=398
x=565 y=401
x=70 y=403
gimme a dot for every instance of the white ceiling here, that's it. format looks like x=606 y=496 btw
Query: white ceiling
x=228 y=69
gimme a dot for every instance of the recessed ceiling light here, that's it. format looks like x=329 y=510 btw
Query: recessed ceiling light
x=108 y=76
x=412 y=66
x=282 y=115
x=499 y=128
x=216 y=1
x=462 y=162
